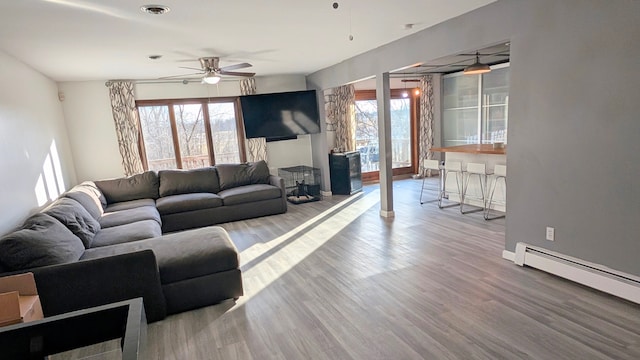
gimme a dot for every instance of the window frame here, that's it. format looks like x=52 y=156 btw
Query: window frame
x=414 y=111
x=204 y=102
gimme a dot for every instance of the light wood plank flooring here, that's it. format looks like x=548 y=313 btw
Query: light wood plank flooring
x=334 y=280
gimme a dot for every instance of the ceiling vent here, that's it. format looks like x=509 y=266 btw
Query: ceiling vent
x=155 y=9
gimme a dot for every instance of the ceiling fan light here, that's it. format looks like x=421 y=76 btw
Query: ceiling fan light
x=211 y=79
x=477 y=67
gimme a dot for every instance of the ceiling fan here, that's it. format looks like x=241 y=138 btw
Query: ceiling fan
x=212 y=71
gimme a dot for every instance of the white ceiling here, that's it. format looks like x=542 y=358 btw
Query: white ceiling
x=72 y=40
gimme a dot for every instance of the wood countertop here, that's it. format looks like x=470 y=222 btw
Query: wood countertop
x=473 y=149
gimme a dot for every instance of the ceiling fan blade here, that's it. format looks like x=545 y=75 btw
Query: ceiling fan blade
x=235 y=67
x=180 y=76
x=494 y=54
x=190 y=68
x=235 y=73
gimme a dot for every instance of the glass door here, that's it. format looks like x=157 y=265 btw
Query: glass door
x=495 y=105
x=403 y=111
x=461 y=109
x=475 y=107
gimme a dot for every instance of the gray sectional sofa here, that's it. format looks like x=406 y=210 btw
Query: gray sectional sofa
x=148 y=235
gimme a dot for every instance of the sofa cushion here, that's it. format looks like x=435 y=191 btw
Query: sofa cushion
x=76 y=218
x=203 y=180
x=127 y=216
x=89 y=196
x=139 y=186
x=249 y=193
x=182 y=255
x=139 y=230
x=187 y=202
x=42 y=241
x=233 y=175
x=258 y=172
x=125 y=205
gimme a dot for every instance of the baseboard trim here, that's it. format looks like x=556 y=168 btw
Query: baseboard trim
x=326 y=193
x=508 y=255
x=599 y=277
x=387 y=214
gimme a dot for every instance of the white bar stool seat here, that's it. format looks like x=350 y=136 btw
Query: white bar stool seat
x=430 y=164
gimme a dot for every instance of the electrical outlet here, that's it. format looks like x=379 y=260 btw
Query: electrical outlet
x=551 y=233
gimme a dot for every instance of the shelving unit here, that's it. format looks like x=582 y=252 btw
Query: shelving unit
x=475 y=107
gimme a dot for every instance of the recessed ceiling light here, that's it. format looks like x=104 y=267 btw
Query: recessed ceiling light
x=155 y=57
x=155 y=9
x=408 y=26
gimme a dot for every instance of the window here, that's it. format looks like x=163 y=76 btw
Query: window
x=403 y=119
x=190 y=133
x=224 y=130
x=475 y=107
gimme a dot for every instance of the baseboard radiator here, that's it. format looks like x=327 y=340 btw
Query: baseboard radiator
x=597 y=276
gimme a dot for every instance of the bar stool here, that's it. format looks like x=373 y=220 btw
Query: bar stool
x=500 y=174
x=451 y=167
x=477 y=171
x=432 y=165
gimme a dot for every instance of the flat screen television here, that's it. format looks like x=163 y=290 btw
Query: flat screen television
x=280 y=116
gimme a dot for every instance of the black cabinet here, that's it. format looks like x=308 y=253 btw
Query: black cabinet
x=346 y=174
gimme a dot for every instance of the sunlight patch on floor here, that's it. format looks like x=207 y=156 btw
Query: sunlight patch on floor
x=258 y=277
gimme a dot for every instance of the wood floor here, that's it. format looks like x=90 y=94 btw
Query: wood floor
x=334 y=280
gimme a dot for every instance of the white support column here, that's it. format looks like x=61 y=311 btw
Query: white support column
x=383 y=95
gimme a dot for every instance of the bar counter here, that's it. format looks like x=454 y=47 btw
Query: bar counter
x=475 y=153
x=473 y=149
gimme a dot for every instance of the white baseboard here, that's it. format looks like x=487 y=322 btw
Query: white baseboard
x=387 y=214
x=326 y=193
x=596 y=276
x=508 y=255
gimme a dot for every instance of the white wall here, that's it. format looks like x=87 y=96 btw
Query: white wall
x=92 y=133
x=35 y=157
x=91 y=130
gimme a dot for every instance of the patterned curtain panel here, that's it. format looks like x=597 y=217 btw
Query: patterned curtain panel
x=125 y=116
x=344 y=117
x=256 y=148
x=426 y=121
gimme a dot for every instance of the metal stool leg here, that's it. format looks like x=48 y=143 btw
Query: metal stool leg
x=500 y=174
x=444 y=184
x=465 y=187
x=431 y=165
x=479 y=170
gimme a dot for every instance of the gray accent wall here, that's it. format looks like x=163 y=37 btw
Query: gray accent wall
x=574 y=122
x=574 y=132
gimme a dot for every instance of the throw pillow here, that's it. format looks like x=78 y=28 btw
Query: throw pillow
x=76 y=218
x=42 y=241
